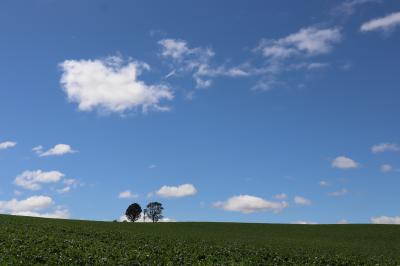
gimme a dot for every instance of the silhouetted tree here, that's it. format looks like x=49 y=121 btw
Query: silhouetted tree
x=154 y=211
x=133 y=212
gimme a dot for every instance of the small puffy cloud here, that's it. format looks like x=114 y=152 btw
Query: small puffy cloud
x=386 y=23
x=33 y=180
x=324 y=183
x=250 y=204
x=176 y=191
x=112 y=86
x=342 y=221
x=301 y=200
x=57 y=150
x=385 y=168
x=33 y=203
x=343 y=162
x=69 y=183
x=280 y=196
x=7 y=144
x=176 y=49
x=63 y=190
x=152 y=166
x=338 y=193
x=127 y=194
x=307 y=41
x=383 y=147
x=386 y=220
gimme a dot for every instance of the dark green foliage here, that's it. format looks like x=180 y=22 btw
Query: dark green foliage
x=38 y=241
x=154 y=211
x=133 y=212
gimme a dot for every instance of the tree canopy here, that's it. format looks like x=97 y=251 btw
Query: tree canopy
x=133 y=212
x=154 y=211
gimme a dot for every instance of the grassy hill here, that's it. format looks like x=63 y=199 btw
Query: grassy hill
x=26 y=240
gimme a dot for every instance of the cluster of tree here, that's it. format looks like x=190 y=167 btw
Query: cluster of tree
x=153 y=211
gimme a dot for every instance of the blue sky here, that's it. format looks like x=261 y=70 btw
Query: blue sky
x=264 y=111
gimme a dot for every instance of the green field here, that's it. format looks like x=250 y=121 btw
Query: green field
x=26 y=240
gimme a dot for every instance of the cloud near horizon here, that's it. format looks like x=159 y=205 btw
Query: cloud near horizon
x=385 y=220
x=32 y=206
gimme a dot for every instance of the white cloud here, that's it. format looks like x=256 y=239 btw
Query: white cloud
x=141 y=219
x=177 y=49
x=301 y=200
x=57 y=150
x=348 y=7
x=37 y=149
x=307 y=41
x=178 y=191
x=383 y=147
x=127 y=194
x=33 y=203
x=280 y=196
x=343 y=162
x=63 y=190
x=386 y=220
x=323 y=183
x=385 y=168
x=123 y=218
x=57 y=214
x=386 y=23
x=197 y=61
x=292 y=53
x=7 y=144
x=69 y=184
x=33 y=206
x=303 y=222
x=32 y=180
x=339 y=193
x=187 y=60
x=249 y=204
x=342 y=221
x=111 y=85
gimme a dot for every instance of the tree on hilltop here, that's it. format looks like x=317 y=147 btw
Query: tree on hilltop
x=133 y=212
x=154 y=211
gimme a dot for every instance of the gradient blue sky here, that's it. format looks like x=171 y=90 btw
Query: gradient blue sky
x=239 y=100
